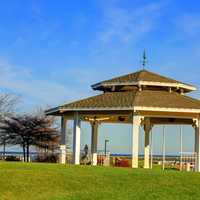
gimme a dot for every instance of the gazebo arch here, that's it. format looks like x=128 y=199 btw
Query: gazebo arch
x=142 y=99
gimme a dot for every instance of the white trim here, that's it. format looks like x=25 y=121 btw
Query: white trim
x=96 y=85
x=149 y=83
x=52 y=110
x=135 y=108
x=184 y=110
x=178 y=85
x=96 y=109
x=169 y=116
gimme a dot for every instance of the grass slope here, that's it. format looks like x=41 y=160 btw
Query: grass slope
x=20 y=181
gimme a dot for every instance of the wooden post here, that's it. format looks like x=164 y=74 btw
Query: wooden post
x=135 y=140
x=151 y=166
x=62 y=158
x=197 y=144
x=76 y=139
x=181 y=149
x=163 y=149
x=147 y=129
x=94 y=142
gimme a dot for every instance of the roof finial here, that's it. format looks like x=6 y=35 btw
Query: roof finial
x=144 y=60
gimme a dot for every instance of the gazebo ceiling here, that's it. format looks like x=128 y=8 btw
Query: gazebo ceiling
x=143 y=78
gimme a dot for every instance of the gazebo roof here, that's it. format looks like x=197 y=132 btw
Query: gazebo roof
x=158 y=93
x=132 y=100
x=143 y=77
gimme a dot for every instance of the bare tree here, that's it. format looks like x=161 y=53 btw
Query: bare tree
x=8 y=104
x=29 y=130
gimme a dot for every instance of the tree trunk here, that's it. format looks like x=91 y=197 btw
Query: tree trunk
x=4 y=149
x=24 y=153
x=27 y=153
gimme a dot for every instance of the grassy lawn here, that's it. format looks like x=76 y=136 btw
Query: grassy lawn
x=19 y=181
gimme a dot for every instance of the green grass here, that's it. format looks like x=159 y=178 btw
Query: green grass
x=20 y=181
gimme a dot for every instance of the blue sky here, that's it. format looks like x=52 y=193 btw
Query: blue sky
x=52 y=51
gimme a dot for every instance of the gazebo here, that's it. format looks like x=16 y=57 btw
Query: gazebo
x=142 y=99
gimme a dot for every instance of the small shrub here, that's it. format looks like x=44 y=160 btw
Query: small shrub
x=53 y=158
x=12 y=158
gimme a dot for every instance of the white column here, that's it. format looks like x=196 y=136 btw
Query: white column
x=135 y=140
x=197 y=144
x=147 y=129
x=195 y=139
x=62 y=158
x=94 y=142
x=76 y=139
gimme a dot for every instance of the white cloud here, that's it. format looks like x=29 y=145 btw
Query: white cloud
x=126 y=25
x=45 y=92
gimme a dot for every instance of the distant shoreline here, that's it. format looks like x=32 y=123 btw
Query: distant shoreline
x=112 y=154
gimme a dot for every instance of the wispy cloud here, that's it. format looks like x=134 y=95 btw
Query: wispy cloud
x=44 y=92
x=126 y=25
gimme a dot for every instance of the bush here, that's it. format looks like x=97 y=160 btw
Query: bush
x=12 y=158
x=52 y=158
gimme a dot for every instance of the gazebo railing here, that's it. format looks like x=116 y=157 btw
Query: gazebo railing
x=188 y=161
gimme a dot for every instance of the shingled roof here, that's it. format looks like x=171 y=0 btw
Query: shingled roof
x=143 y=77
x=130 y=100
x=157 y=93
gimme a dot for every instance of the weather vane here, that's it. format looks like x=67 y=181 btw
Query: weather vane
x=144 y=60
